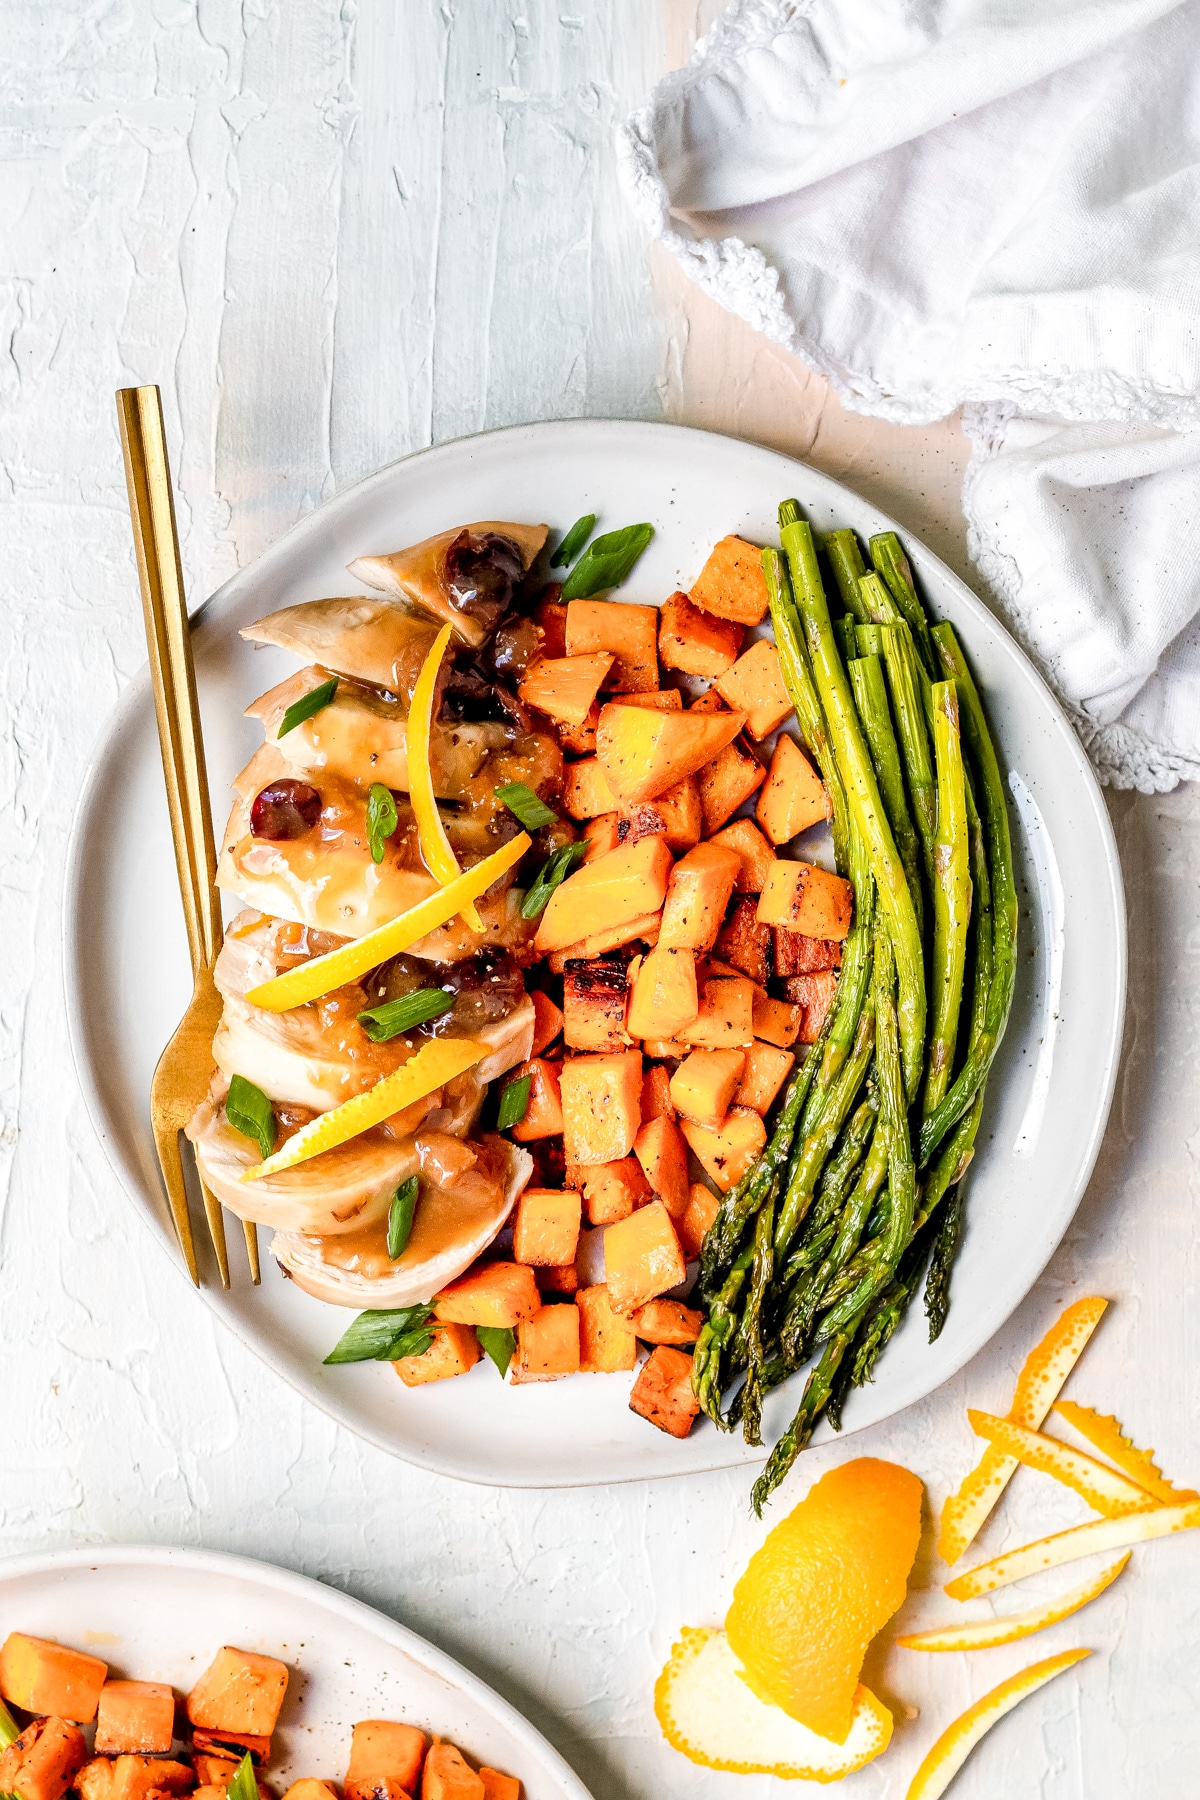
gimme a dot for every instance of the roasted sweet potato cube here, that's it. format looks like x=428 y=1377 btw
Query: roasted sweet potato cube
x=383 y=1752
x=656 y=1093
x=214 y=1771
x=642 y=930
x=580 y=740
x=660 y=1149
x=644 y=753
x=708 y=702
x=239 y=1691
x=565 y=687
x=557 y=1278
x=725 y=1017
x=703 y=1086
x=726 y=1154
x=626 y=884
x=755 y=686
x=543 y=1110
x=663 y=1393
x=43 y=1762
x=793 y=797
x=547 y=1021
x=663 y=995
x=815 y=993
x=676 y=816
x=133 y=1778
x=694 y=641
x=586 y=793
x=612 y=1190
x=550 y=617
x=499 y=1787
x=602 y=1105
x=732 y=584
x=667 y=1322
x=630 y=632
x=309 y=1788
x=133 y=1717
x=657 y=699
x=796 y=954
x=601 y=834
x=547 y=1348
x=701 y=1211
x=231 y=1743
x=727 y=782
x=607 y=1342
x=806 y=898
x=776 y=1021
x=546 y=1226
x=698 y=893
x=745 y=943
x=42 y=1677
x=447 y=1776
x=594 y=1004
x=642 y=1258
x=754 y=854
x=454 y=1350
x=499 y=1294
x=767 y=1068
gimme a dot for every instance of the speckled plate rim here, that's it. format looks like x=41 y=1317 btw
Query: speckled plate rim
x=1106 y=1050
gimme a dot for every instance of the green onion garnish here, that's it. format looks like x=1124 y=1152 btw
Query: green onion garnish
x=606 y=562
x=401 y=1208
x=387 y=1021
x=553 y=871
x=249 y=1111
x=10 y=1731
x=382 y=818
x=514 y=1099
x=524 y=804
x=243 y=1783
x=574 y=541
x=314 y=701
x=385 y=1336
x=499 y=1342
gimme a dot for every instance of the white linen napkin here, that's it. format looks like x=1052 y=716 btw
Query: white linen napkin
x=992 y=204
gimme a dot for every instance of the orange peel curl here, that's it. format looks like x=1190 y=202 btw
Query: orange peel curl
x=958 y=1740
x=1105 y=1490
x=1104 y=1433
x=989 y=1634
x=1068 y=1546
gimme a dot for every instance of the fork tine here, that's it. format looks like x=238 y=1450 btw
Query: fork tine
x=166 y=1146
x=251 y=1234
x=216 y=1231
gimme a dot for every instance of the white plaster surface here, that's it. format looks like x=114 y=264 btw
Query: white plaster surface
x=335 y=233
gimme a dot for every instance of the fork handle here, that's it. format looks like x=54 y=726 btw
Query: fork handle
x=172 y=676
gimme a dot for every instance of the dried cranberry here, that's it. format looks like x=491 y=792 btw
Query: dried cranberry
x=514 y=646
x=472 y=694
x=285 y=809
x=482 y=569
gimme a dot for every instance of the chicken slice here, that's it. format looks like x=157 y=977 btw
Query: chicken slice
x=418 y=574
x=373 y=640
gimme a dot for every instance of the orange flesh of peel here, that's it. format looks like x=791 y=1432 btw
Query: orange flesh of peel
x=1104 y=1433
x=1106 y=1490
x=988 y=1634
x=958 y=1740
x=1038 y=1386
x=1069 y=1546
x=824 y=1582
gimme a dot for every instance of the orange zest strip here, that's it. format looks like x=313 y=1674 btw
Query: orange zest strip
x=1038 y=1386
x=435 y=1063
x=1105 y=1490
x=988 y=1634
x=439 y=857
x=1104 y=1433
x=958 y=1740
x=1068 y=1546
x=309 y=980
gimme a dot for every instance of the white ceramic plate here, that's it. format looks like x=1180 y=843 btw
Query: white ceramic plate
x=159 y=1614
x=128 y=981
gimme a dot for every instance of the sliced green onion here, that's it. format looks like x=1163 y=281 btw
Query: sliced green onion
x=10 y=1731
x=387 y=1021
x=401 y=1207
x=243 y=1783
x=382 y=818
x=514 y=1101
x=499 y=1342
x=315 y=701
x=249 y=1111
x=606 y=562
x=553 y=871
x=524 y=804
x=574 y=541
x=385 y=1336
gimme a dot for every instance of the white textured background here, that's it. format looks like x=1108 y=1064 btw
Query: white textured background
x=336 y=233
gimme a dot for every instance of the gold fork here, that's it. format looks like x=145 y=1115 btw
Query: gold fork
x=184 y=1069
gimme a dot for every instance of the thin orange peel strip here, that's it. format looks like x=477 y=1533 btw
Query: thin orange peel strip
x=1104 y=1433
x=1097 y=1537
x=710 y=1714
x=1106 y=1490
x=440 y=859
x=959 y=1739
x=1038 y=1386
x=434 y=1064
x=309 y=980
x=989 y=1634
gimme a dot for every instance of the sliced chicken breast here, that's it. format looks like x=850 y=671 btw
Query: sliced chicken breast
x=418 y=574
x=376 y=640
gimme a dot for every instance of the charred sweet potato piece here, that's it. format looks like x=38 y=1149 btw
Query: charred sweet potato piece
x=309 y=1788
x=547 y=1349
x=601 y=1098
x=543 y=1110
x=701 y=1211
x=663 y=1393
x=796 y=954
x=806 y=898
x=745 y=943
x=586 y=793
x=601 y=835
x=777 y=1022
x=704 y=1084
x=815 y=993
x=755 y=686
x=546 y=1226
x=643 y=929
x=727 y=782
x=231 y=1743
x=594 y=1004
x=709 y=702
x=767 y=1068
x=660 y=1149
x=613 y=1190
x=133 y=1778
x=447 y=1776
x=42 y=1677
x=724 y=1020
x=607 y=1342
x=565 y=687
x=644 y=753
x=499 y=1787
x=656 y=1093
x=580 y=740
x=214 y=1771
x=726 y=1153
x=43 y=1762
x=454 y=1350
x=676 y=816
x=697 y=894
x=556 y=1278
x=547 y=1021
x=754 y=854
x=627 y=883
x=663 y=995
x=732 y=584
x=694 y=641
x=629 y=632
x=642 y=1258
x=135 y=1717
x=550 y=617
x=667 y=1322
x=239 y=1691
x=384 y=1756
x=793 y=797
x=500 y=1294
